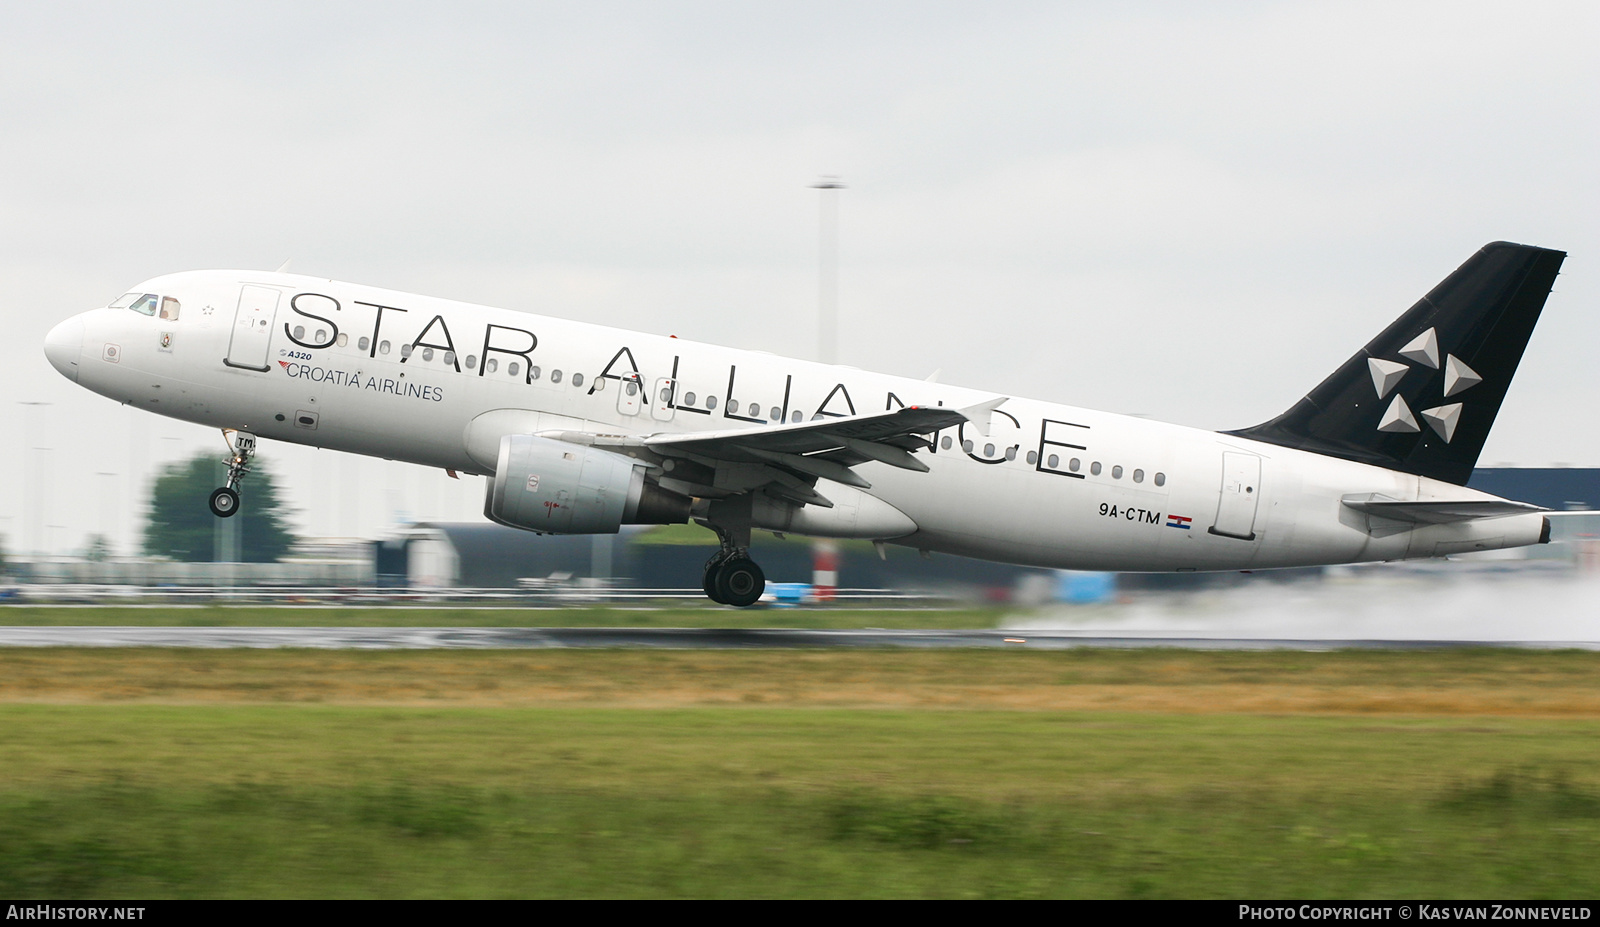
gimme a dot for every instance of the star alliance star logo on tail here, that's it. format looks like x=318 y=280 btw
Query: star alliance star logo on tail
x=1387 y=374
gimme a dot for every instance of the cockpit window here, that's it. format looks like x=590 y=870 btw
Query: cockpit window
x=142 y=303
x=169 y=308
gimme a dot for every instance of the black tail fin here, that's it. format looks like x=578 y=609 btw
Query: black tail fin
x=1420 y=397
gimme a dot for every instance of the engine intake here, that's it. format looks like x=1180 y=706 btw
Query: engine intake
x=552 y=487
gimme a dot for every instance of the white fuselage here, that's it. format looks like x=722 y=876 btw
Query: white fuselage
x=436 y=382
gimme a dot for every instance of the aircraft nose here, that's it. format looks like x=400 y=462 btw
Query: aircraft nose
x=63 y=346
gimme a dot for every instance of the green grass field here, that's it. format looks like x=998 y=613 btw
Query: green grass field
x=798 y=774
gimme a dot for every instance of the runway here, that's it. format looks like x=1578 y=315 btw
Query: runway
x=690 y=639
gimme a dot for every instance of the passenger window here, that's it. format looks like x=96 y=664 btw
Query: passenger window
x=688 y=399
x=383 y=347
x=1011 y=453
x=577 y=379
x=1074 y=464
x=492 y=364
x=1033 y=457
x=363 y=342
x=988 y=450
x=512 y=368
x=733 y=407
x=777 y=414
x=946 y=442
x=343 y=339
x=427 y=354
x=1161 y=479
x=145 y=305
x=1054 y=461
x=711 y=402
x=472 y=361
x=1116 y=472
x=169 y=309
x=967 y=445
x=533 y=372
x=555 y=376
x=450 y=358
x=299 y=332
x=405 y=351
x=600 y=385
x=797 y=417
x=1094 y=468
x=1138 y=476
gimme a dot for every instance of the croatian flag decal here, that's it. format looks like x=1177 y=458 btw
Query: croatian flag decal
x=1179 y=521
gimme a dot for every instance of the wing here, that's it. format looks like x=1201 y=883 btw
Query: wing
x=786 y=460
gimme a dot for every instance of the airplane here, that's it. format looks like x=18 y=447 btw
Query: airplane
x=580 y=429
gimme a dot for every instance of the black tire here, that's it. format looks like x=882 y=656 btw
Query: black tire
x=740 y=582
x=708 y=582
x=224 y=502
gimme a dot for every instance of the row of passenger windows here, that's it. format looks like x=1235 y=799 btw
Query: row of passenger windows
x=1053 y=461
x=751 y=409
x=513 y=369
x=689 y=399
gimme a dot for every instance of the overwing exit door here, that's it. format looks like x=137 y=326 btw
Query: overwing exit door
x=630 y=394
x=662 y=397
x=1241 y=491
x=252 y=328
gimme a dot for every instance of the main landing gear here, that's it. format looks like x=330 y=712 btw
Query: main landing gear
x=241 y=447
x=731 y=577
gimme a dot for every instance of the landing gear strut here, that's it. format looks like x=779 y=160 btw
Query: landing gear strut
x=241 y=447
x=731 y=577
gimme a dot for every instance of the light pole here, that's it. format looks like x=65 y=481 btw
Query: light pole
x=828 y=268
x=824 y=552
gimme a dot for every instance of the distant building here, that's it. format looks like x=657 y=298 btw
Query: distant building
x=1561 y=488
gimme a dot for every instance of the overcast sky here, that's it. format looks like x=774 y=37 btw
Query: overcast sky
x=1187 y=211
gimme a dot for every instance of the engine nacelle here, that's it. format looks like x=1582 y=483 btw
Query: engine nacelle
x=553 y=487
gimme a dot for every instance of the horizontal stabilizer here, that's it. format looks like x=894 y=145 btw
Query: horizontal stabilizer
x=1436 y=512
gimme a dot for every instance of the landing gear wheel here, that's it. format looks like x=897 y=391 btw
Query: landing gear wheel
x=224 y=502
x=709 y=581
x=739 y=582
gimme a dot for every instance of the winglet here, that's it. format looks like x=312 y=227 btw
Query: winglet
x=979 y=414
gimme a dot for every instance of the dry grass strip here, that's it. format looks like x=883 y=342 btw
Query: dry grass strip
x=1488 y=682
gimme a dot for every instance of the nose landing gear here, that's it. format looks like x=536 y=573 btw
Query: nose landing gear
x=731 y=577
x=241 y=447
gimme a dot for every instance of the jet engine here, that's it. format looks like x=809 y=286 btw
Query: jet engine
x=552 y=487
